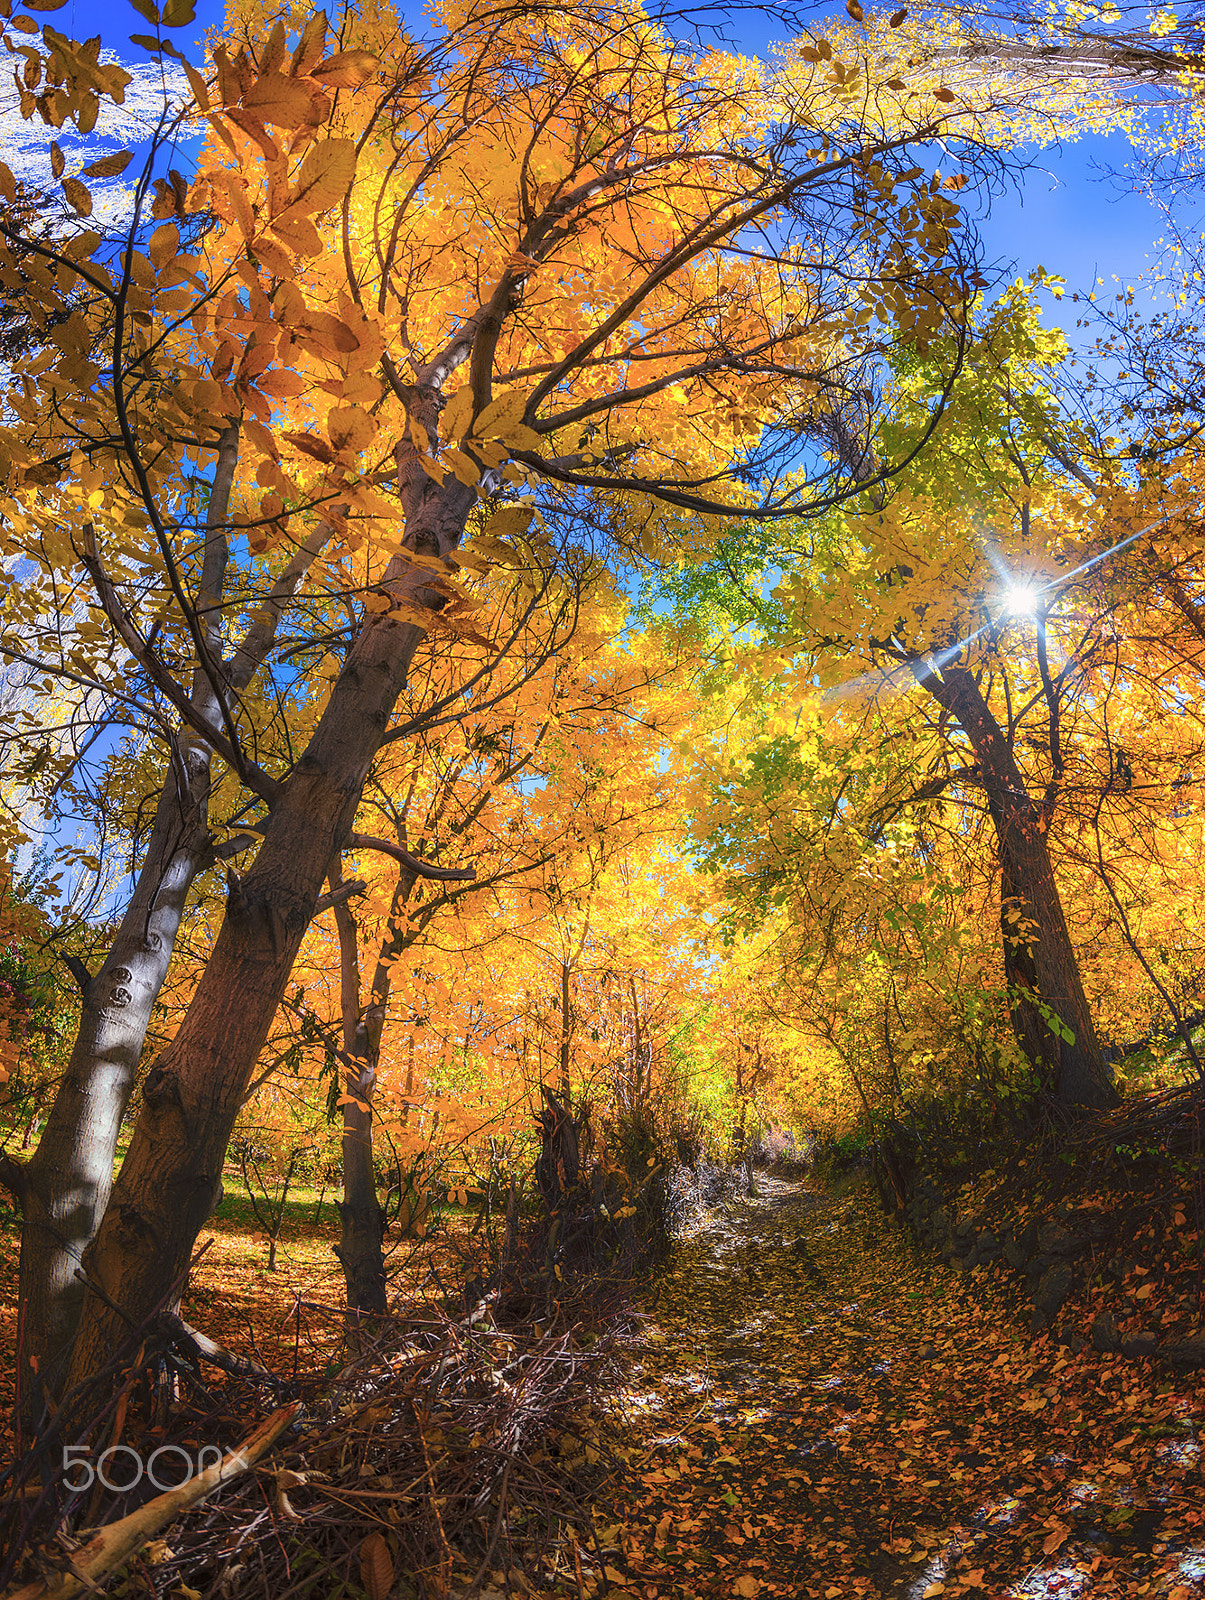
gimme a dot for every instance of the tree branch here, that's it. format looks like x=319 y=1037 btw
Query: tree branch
x=424 y=869
x=338 y=895
x=78 y=971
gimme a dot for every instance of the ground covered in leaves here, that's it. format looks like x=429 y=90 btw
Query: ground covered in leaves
x=822 y=1409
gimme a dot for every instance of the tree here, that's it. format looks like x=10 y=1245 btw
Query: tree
x=542 y=250
x=907 y=591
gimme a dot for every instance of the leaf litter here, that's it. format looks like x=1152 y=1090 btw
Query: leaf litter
x=818 y=1408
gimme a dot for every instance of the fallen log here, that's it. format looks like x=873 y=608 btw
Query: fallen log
x=110 y=1546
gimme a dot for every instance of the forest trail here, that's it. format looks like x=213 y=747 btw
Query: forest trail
x=818 y=1409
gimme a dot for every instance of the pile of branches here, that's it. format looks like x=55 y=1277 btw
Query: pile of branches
x=605 y=1217
x=447 y=1457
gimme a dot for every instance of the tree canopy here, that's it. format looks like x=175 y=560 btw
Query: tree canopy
x=539 y=561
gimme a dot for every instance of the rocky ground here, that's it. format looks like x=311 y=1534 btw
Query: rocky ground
x=823 y=1408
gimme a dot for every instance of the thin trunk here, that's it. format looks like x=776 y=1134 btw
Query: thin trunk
x=1039 y=959
x=566 y=1031
x=65 y=1186
x=361 y=1220
x=171 y=1174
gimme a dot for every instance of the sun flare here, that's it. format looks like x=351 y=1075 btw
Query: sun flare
x=1021 y=600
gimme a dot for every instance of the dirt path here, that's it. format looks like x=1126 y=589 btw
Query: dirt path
x=821 y=1410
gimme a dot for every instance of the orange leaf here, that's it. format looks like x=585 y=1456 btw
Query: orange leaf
x=309 y=445
x=326 y=335
x=78 y=197
x=350 y=428
x=281 y=383
x=376 y=1566
x=300 y=234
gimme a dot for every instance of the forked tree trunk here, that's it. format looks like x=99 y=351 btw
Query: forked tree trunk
x=1039 y=959
x=172 y=1171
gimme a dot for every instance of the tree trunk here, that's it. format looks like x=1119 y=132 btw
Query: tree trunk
x=1039 y=959
x=64 y=1188
x=171 y=1174
x=361 y=1220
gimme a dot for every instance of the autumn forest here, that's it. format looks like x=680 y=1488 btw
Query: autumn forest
x=601 y=765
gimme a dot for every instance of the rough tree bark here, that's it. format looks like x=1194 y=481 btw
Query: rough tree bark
x=1039 y=959
x=172 y=1170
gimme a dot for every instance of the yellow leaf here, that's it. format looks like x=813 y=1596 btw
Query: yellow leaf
x=57 y=159
x=933 y=1589
x=282 y=101
x=163 y=244
x=509 y=522
x=347 y=70
x=456 y=415
x=325 y=176
x=350 y=428
x=501 y=415
x=518 y=436
x=463 y=466
x=270 y=255
x=748 y=1586
x=310 y=46
x=198 y=86
x=1144 y=1292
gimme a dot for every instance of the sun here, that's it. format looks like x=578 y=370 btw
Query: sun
x=1020 y=600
